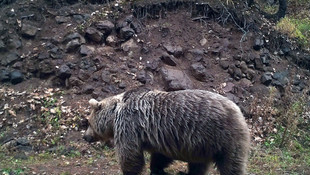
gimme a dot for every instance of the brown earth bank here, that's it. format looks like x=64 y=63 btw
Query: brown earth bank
x=56 y=55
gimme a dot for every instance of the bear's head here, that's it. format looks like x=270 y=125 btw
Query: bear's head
x=101 y=120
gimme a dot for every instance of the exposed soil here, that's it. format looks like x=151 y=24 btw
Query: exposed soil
x=43 y=106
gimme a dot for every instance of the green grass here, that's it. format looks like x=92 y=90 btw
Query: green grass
x=296 y=28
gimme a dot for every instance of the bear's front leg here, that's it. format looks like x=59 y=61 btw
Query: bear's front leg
x=132 y=163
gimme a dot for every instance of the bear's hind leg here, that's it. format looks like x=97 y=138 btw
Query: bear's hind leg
x=231 y=165
x=198 y=168
x=158 y=163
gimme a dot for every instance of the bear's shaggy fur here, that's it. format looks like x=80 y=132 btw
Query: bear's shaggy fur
x=195 y=126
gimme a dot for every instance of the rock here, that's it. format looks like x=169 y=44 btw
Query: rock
x=16 y=77
x=136 y=25
x=224 y=64
x=195 y=55
x=175 y=79
x=2 y=29
x=265 y=58
x=93 y=34
x=126 y=33
x=10 y=58
x=258 y=43
x=168 y=59
x=73 y=45
x=29 y=30
x=285 y=48
x=64 y=72
x=79 y=18
x=23 y=142
x=229 y=87
x=177 y=51
x=258 y=63
x=62 y=19
x=243 y=67
x=152 y=65
x=86 y=50
x=105 y=76
x=266 y=78
x=129 y=45
x=74 y=81
x=141 y=76
x=245 y=83
x=199 y=71
x=46 y=68
x=237 y=73
x=122 y=85
x=250 y=74
x=83 y=75
x=105 y=27
x=88 y=89
x=203 y=41
x=2 y=46
x=4 y=75
x=73 y=36
x=56 y=53
x=43 y=55
x=18 y=65
x=280 y=79
x=111 y=40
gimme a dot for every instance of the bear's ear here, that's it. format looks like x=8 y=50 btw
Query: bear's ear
x=94 y=103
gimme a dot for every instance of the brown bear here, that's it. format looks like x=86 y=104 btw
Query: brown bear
x=195 y=126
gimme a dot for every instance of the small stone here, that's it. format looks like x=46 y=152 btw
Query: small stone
x=62 y=19
x=111 y=40
x=10 y=58
x=203 y=41
x=129 y=45
x=199 y=71
x=73 y=45
x=93 y=34
x=177 y=51
x=64 y=72
x=105 y=26
x=168 y=59
x=141 y=76
x=86 y=50
x=126 y=33
x=175 y=79
x=122 y=85
x=29 y=30
x=4 y=75
x=258 y=44
x=88 y=89
x=105 y=76
x=73 y=36
x=2 y=46
x=224 y=64
x=258 y=64
x=16 y=77
x=266 y=78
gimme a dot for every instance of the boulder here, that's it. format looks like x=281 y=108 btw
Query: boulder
x=168 y=59
x=64 y=72
x=29 y=30
x=175 y=79
x=16 y=77
x=199 y=71
x=126 y=33
x=93 y=34
x=87 y=50
x=105 y=26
